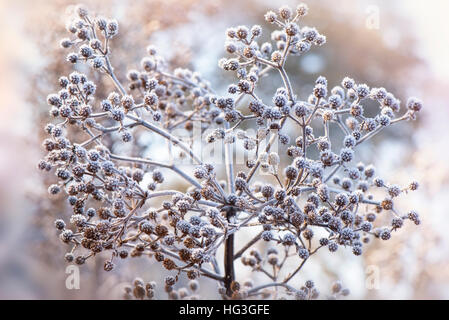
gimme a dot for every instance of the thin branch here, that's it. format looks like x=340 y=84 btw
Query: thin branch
x=247 y=246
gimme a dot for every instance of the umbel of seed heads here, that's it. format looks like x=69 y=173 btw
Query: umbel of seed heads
x=314 y=195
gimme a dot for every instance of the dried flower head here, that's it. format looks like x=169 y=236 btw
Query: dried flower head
x=123 y=204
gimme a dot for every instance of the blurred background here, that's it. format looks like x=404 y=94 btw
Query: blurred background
x=401 y=45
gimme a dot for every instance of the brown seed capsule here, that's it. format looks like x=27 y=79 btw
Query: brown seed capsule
x=387 y=204
x=161 y=230
x=159 y=257
x=235 y=286
x=192 y=274
x=139 y=292
x=169 y=264
x=189 y=243
x=184 y=254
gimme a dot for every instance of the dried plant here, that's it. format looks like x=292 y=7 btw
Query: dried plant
x=47 y=253
x=121 y=196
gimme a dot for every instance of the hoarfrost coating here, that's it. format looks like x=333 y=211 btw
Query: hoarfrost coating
x=300 y=191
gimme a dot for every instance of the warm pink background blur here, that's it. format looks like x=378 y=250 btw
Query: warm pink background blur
x=23 y=275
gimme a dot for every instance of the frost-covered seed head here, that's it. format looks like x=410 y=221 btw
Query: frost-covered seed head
x=304 y=187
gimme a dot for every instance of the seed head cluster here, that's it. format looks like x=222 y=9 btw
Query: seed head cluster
x=301 y=190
